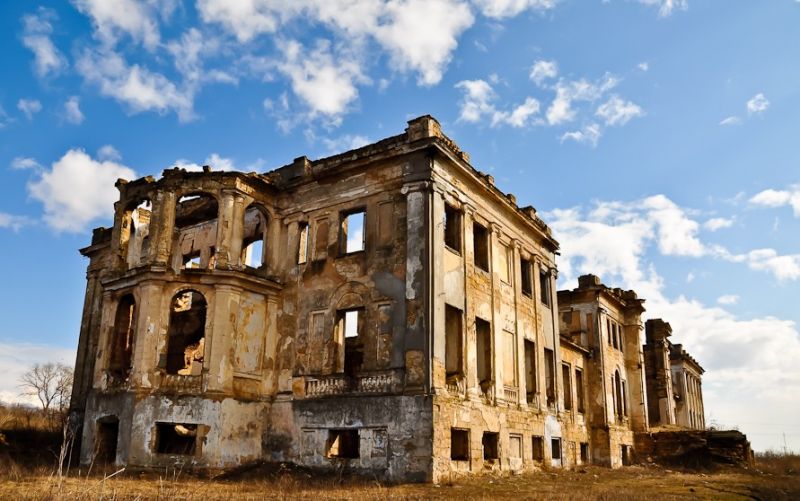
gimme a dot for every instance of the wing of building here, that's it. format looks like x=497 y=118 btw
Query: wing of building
x=388 y=308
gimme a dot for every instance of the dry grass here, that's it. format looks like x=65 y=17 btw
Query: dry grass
x=28 y=470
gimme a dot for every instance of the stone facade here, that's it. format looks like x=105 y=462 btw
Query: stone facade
x=387 y=309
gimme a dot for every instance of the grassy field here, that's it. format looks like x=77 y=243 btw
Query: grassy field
x=28 y=459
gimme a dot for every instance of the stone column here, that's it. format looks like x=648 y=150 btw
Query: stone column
x=497 y=331
x=162 y=226
x=150 y=338
x=437 y=323
x=519 y=336
x=221 y=332
x=470 y=338
x=225 y=223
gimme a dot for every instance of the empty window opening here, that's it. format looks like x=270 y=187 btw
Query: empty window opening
x=544 y=287
x=138 y=226
x=253 y=254
x=584 y=452
x=255 y=232
x=608 y=329
x=121 y=349
x=186 y=334
x=537 y=448
x=343 y=444
x=614 y=338
x=195 y=209
x=579 y=390
x=505 y=264
x=509 y=359
x=618 y=393
x=526 y=273
x=302 y=245
x=191 y=261
x=176 y=438
x=624 y=398
x=626 y=455
x=566 y=376
x=459 y=444
x=452 y=228
x=550 y=376
x=106 y=438
x=350 y=324
x=555 y=448
x=483 y=333
x=515 y=446
x=454 y=346
x=530 y=371
x=489 y=442
x=621 y=339
x=352 y=231
x=480 y=243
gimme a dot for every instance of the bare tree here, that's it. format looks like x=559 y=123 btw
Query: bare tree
x=51 y=383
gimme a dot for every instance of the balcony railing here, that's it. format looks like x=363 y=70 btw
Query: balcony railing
x=511 y=394
x=338 y=384
x=456 y=385
x=181 y=384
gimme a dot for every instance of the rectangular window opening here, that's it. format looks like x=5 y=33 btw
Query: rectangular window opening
x=584 y=452
x=352 y=236
x=350 y=324
x=537 y=447
x=530 y=371
x=342 y=444
x=566 y=376
x=489 y=442
x=452 y=228
x=526 y=276
x=555 y=448
x=505 y=264
x=550 y=379
x=579 y=389
x=544 y=287
x=480 y=242
x=454 y=346
x=302 y=246
x=459 y=444
x=176 y=438
x=483 y=332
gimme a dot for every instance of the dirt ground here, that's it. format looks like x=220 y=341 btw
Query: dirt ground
x=637 y=482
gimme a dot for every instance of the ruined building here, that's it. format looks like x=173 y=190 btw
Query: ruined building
x=388 y=309
x=674 y=387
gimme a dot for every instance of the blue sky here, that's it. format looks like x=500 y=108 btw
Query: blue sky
x=657 y=137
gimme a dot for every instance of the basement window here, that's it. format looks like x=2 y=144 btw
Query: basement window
x=489 y=442
x=459 y=444
x=480 y=243
x=176 y=438
x=555 y=448
x=351 y=232
x=342 y=444
x=537 y=448
x=452 y=228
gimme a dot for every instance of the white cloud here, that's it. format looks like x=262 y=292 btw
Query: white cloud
x=344 y=143
x=731 y=120
x=17 y=358
x=643 y=66
x=113 y=19
x=667 y=7
x=690 y=278
x=135 y=86
x=588 y=134
x=543 y=70
x=36 y=32
x=728 y=299
x=677 y=233
x=72 y=110
x=782 y=267
x=216 y=162
x=188 y=53
x=13 y=222
x=4 y=120
x=244 y=19
x=717 y=223
x=757 y=104
x=22 y=163
x=617 y=111
x=108 y=152
x=78 y=190
x=509 y=8
x=29 y=107
x=477 y=104
x=779 y=198
x=561 y=110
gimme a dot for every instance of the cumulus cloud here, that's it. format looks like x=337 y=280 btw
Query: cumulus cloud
x=782 y=267
x=345 y=143
x=500 y=9
x=477 y=104
x=29 y=107
x=588 y=134
x=23 y=163
x=542 y=71
x=77 y=190
x=72 y=110
x=617 y=111
x=108 y=152
x=561 y=109
x=111 y=20
x=728 y=299
x=717 y=223
x=133 y=85
x=779 y=198
x=667 y=7
x=13 y=222
x=757 y=104
x=217 y=162
x=36 y=32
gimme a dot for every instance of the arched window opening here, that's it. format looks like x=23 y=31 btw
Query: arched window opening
x=134 y=237
x=186 y=334
x=196 y=226
x=121 y=345
x=253 y=248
